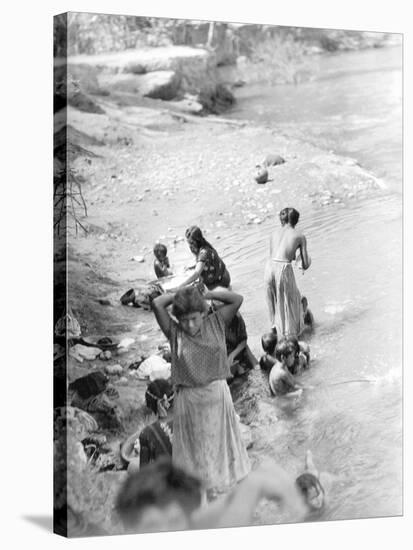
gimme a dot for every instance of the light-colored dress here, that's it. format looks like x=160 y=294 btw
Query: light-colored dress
x=283 y=298
x=207 y=439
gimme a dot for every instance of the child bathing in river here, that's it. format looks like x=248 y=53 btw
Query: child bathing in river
x=269 y=359
x=161 y=264
x=310 y=486
x=268 y=342
x=288 y=361
x=308 y=316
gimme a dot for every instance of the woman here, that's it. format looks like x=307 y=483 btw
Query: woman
x=156 y=439
x=209 y=266
x=283 y=295
x=207 y=440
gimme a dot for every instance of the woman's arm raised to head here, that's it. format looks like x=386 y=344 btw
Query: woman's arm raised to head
x=159 y=307
x=232 y=302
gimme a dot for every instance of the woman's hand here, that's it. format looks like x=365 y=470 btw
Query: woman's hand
x=232 y=302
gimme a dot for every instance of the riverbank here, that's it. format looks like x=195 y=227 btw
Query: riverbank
x=155 y=172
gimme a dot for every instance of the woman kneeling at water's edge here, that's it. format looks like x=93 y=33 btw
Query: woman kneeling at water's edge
x=209 y=266
x=207 y=440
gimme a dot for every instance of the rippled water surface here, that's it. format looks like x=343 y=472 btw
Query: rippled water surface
x=352 y=104
x=351 y=420
x=354 y=286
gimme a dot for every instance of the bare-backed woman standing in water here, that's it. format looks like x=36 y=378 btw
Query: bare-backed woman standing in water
x=283 y=296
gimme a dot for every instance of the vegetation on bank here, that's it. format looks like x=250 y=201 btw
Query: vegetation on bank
x=270 y=53
x=91 y=33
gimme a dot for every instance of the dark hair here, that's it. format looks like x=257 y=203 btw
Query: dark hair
x=188 y=300
x=93 y=383
x=304 y=301
x=286 y=346
x=195 y=235
x=307 y=481
x=157 y=484
x=155 y=391
x=160 y=249
x=289 y=215
x=266 y=363
x=269 y=341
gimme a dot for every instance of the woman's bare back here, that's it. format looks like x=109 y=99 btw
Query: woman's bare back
x=284 y=243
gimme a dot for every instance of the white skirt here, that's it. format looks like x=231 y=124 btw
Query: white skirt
x=207 y=440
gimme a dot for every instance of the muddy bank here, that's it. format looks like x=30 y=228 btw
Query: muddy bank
x=153 y=173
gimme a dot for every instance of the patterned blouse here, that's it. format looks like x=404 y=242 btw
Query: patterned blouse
x=214 y=268
x=199 y=360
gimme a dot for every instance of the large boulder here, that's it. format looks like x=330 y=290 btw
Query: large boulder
x=160 y=85
x=161 y=73
x=193 y=65
x=215 y=99
x=157 y=84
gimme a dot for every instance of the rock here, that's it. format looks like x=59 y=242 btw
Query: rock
x=139 y=259
x=262 y=175
x=80 y=352
x=105 y=355
x=215 y=99
x=273 y=160
x=114 y=369
x=189 y=105
x=156 y=85
x=160 y=85
x=84 y=103
x=104 y=302
x=123 y=381
x=126 y=342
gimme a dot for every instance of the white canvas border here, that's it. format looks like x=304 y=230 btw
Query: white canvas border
x=26 y=221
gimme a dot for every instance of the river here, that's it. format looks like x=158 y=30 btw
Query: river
x=354 y=286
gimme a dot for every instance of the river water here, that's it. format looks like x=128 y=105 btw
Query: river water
x=352 y=420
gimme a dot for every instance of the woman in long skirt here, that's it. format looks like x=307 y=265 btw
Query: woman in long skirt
x=207 y=440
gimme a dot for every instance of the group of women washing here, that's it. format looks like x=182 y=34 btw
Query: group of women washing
x=202 y=431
